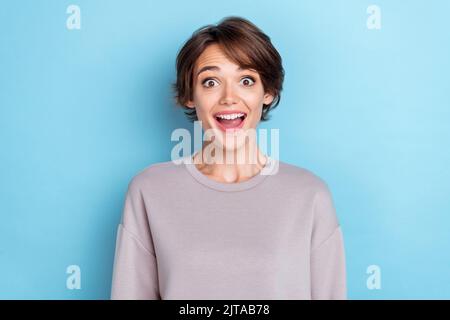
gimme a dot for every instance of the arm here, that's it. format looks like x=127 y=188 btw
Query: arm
x=135 y=273
x=328 y=268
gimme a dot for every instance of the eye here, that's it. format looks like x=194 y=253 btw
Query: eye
x=208 y=81
x=252 y=80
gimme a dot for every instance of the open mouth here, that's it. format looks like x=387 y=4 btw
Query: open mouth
x=230 y=121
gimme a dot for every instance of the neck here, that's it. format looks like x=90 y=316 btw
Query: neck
x=236 y=165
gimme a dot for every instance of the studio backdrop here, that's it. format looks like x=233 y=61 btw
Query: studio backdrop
x=86 y=103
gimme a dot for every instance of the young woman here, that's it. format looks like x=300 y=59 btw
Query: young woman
x=212 y=228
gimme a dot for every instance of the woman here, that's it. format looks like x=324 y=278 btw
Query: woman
x=212 y=228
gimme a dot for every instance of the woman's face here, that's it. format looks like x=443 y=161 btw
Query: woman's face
x=221 y=87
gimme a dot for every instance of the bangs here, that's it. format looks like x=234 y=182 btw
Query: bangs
x=235 y=47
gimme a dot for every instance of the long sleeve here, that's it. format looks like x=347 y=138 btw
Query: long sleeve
x=135 y=273
x=328 y=267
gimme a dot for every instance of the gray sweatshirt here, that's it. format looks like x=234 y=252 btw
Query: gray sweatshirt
x=186 y=236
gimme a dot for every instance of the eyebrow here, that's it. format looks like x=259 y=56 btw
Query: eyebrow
x=216 y=68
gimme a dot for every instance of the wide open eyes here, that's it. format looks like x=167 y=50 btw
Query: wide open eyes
x=246 y=81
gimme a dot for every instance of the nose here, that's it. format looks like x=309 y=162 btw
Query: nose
x=229 y=95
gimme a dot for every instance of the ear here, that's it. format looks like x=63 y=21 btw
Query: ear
x=190 y=104
x=268 y=98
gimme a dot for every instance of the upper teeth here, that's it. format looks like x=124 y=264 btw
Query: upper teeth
x=230 y=116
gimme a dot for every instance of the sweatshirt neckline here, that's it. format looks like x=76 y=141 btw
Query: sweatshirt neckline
x=229 y=187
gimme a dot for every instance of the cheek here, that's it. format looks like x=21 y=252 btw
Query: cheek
x=202 y=112
x=255 y=103
x=256 y=115
x=203 y=103
x=254 y=97
x=256 y=106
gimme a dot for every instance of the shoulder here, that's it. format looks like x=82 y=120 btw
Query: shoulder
x=294 y=176
x=325 y=219
x=156 y=174
x=313 y=189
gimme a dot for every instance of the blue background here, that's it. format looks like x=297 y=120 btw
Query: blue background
x=82 y=111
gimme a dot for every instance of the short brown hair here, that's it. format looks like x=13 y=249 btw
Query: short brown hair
x=244 y=44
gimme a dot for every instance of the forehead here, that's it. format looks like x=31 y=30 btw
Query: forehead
x=212 y=55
